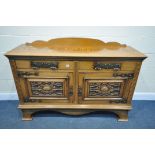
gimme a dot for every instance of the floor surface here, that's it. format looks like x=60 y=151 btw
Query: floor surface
x=142 y=116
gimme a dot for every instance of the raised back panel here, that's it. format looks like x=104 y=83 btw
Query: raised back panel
x=76 y=44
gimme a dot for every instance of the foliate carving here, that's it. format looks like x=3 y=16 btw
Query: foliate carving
x=100 y=66
x=51 y=65
x=48 y=88
x=124 y=75
x=104 y=89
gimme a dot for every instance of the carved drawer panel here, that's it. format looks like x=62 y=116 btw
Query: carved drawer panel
x=107 y=65
x=51 y=65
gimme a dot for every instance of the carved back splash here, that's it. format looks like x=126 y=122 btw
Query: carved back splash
x=76 y=44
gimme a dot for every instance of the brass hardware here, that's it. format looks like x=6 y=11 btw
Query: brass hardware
x=79 y=91
x=124 y=75
x=100 y=66
x=123 y=100
x=51 y=65
x=22 y=73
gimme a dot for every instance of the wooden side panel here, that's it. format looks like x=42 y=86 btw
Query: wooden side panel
x=16 y=79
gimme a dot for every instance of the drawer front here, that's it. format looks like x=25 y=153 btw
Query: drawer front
x=100 y=66
x=45 y=65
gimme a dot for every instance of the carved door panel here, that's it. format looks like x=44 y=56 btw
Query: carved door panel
x=52 y=88
x=103 y=87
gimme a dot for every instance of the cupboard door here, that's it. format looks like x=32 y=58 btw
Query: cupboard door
x=48 y=88
x=53 y=88
x=103 y=88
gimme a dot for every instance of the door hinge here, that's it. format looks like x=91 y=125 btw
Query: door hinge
x=27 y=99
x=70 y=91
x=123 y=100
x=22 y=73
x=124 y=75
x=79 y=91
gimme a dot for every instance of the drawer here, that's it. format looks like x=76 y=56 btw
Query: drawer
x=107 y=65
x=26 y=73
x=53 y=65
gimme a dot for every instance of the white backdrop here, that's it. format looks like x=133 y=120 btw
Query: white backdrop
x=141 y=38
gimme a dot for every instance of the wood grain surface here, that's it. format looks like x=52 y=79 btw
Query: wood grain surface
x=72 y=83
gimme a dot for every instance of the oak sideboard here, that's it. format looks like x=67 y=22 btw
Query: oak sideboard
x=75 y=76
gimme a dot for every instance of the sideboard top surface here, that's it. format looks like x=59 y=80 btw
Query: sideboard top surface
x=75 y=47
